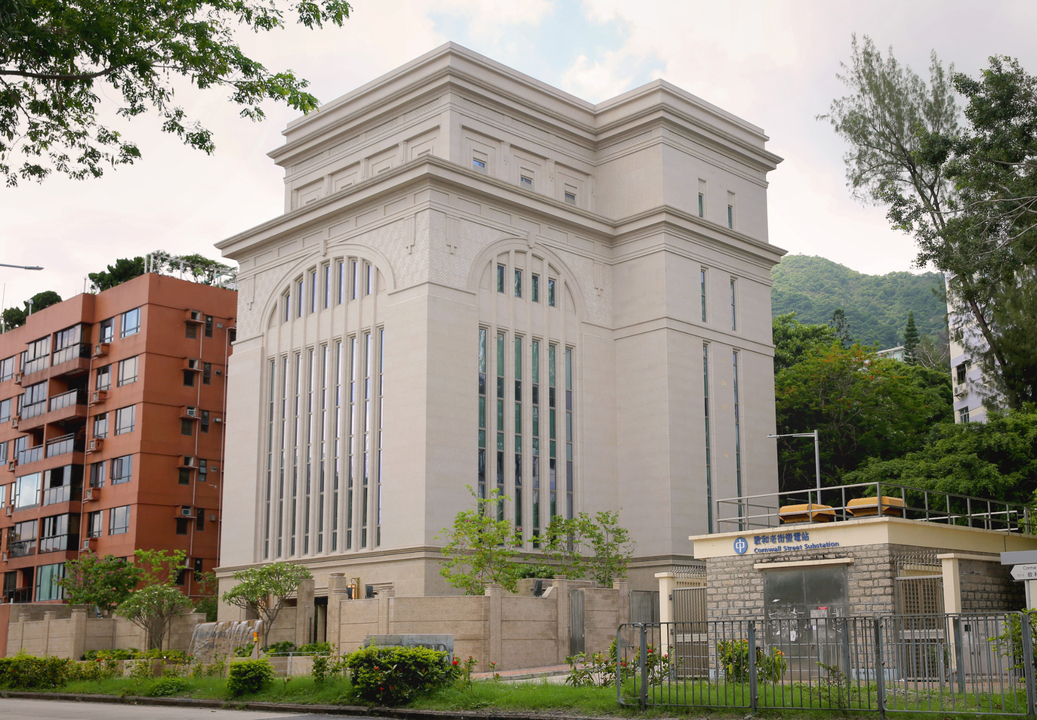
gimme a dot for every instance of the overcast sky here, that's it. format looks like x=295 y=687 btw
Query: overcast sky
x=771 y=62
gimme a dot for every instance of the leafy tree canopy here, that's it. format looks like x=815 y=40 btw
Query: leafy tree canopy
x=864 y=407
x=59 y=57
x=103 y=582
x=262 y=589
x=793 y=340
x=197 y=268
x=157 y=601
x=996 y=459
x=16 y=317
x=480 y=548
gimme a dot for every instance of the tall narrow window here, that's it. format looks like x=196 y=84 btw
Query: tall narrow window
x=709 y=465
x=702 y=290
x=731 y=210
x=283 y=457
x=551 y=292
x=378 y=437
x=365 y=477
x=518 y=283
x=300 y=295
x=734 y=319
x=370 y=278
x=321 y=435
x=500 y=425
x=327 y=286
x=535 y=437
x=336 y=435
x=500 y=278
x=702 y=198
x=296 y=450
x=518 y=436
x=534 y=289
x=208 y=325
x=311 y=378
x=313 y=291
x=351 y=444
x=569 y=433
x=272 y=389
x=354 y=286
x=340 y=273
x=286 y=303
x=481 y=485
x=552 y=432
x=738 y=434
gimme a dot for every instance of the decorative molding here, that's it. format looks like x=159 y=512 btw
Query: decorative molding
x=624 y=144
x=536 y=132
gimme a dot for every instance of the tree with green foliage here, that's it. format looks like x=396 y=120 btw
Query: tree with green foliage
x=122 y=270
x=911 y=339
x=157 y=601
x=480 y=548
x=16 y=317
x=996 y=459
x=103 y=582
x=967 y=195
x=209 y=601
x=597 y=545
x=793 y=340
x=864 y=406
x=934 y=353
x=263 y=589
x=841 y=327
x=58 y=58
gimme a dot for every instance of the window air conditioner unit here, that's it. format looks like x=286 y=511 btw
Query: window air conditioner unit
x=186 y=512
x=18 y=377
x=89 y=543
x=95 y=445
x=14 y=421
x=5 y=557
x=194 y=316
x=961 y=390
x=12 y=465
x=100 y=349
x=192 y=364
x=189 y=462
x=191 y=412
x=10 y=510
x=92 y=494
x=99 y=396
x=217 y=420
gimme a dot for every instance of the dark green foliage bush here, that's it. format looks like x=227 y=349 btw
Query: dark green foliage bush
x=94 y=670
x=24 y=672
x=286 y=646
x=117 y=654
x=396 y=675
x=244 y=651
x=315 y=647
x=249 y=676
x=169 y=686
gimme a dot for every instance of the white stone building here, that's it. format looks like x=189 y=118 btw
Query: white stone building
x=480 y=280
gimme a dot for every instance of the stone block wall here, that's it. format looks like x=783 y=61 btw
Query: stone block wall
x=988 y=586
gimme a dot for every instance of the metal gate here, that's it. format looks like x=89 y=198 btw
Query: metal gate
x=577 y=643
x=644 y=606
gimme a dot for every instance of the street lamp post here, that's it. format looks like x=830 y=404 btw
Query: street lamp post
x=817 y=452
x=22 y=267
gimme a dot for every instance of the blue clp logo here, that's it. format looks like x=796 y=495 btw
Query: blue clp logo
x=741 y=545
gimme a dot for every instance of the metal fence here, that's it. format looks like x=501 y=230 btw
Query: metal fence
x=981 y=664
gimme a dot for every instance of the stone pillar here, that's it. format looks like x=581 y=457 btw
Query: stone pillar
x=384 y=621
x=561 y=593
x=494 y=641
x=77 y=631
x=667 y=584
x=48 y=617
x=951 y=584
x=623 y=587
x=304 y=612
x=338 y=585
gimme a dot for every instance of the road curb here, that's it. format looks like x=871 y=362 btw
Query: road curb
x=343 y=710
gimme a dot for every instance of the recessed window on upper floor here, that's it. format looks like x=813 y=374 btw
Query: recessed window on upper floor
x=478 y=164
x=570 y=198
x=130 y=323
x=526 y=182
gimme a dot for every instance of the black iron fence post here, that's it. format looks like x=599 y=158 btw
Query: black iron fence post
x=1028 y=669
x=846 y=656
x=752 y=665
x=643 y=666
x=880 y=676
x=959 y=653
x=620 y=653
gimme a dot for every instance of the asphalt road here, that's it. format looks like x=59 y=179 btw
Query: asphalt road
x=18 y=709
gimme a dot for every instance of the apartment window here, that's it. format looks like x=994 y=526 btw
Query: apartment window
x=208 y=326
x=7 y=368
x=106 y=330
x=479 y=165
x=702 y=198
x=702 y=285
x=534 y=289
x=206 y=373
x=526 y=182
x=128 y=371
x=3 y=461
x=67 y=338
x=47 y=577
x=119 y=520
x=27 y=491
x=186 y=426
x=3 y=493
x=130 y=322
x=183 y=476
x=188 y=378
x=961 y=373
x=518 y=283
x=203 y=470
x=205 y=421
x=93 y=524
x=97 y=474
x=551 y=292
x=5 y=410
x=191 y=331
x=181 y=529
x=963 y=415
x=201 y=519
x=570 y=198
x=501 y=271
x=104 y=378
x=101 y=425
x=122 y=469
x=734 y=318
x=125 y=419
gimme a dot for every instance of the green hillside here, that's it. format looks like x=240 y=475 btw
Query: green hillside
x=876 y=306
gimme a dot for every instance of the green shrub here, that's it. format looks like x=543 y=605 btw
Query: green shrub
x=244 y=651
x=395 y=675
x=94 y=670
x=117 y=654
x=168 y=686
x=24 y=672
x=326 y=667
x=285 y=646
x=315 y=647
x=249 y=676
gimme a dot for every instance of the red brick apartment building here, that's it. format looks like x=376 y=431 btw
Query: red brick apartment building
x=111 y=434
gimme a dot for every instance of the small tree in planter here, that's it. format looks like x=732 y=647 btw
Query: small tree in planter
x=598 y=545
x=103 y=582
x=480 y=548
x=263 y=590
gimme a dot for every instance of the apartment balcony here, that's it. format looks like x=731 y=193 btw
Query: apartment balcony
x=30 y=455
x=62 y=494
x=21 y=548
x=67 y=406
x=28 y=373
x=60 y=543
x=18 y=595
x=71 y=361
x=53 y=448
